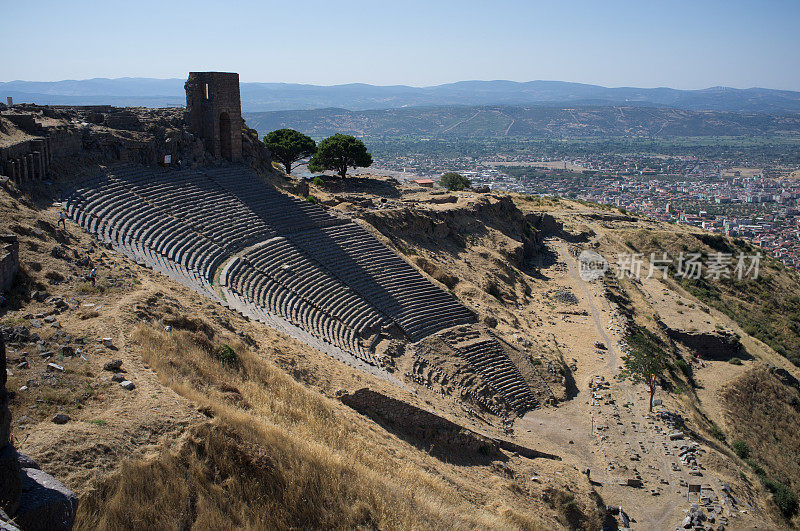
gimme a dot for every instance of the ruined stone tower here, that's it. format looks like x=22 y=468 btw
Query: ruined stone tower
x=214 y=112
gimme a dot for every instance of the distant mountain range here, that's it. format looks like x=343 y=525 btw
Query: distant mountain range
x=535 y=121
x=257 y=97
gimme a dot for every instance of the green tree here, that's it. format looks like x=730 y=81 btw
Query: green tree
x=454 y=181
x=645 y=361
x=288 y=146
x=338 y=152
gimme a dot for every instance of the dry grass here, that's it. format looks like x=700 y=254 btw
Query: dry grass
x=766 y=416
x=276 y=455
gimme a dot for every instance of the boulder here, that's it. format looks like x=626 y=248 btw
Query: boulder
x=10 y=485
x=128 y=385
x=59 y=252
x=54 y=367
x=26 y=461
x=5 y=522
x=46 y=504
x=61 y=418
x=113 y=365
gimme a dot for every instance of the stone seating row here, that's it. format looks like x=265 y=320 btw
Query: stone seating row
x=188 y=222
x=281 y=212
x=235 y=302
x=383 y=279
x=490 y=360
x=198 y=201
x=279 y=260
x=254 y=286
x=119 y=217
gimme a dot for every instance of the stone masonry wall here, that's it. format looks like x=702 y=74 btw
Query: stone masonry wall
x=422 y=427
x=214 y=112
x=432 y=432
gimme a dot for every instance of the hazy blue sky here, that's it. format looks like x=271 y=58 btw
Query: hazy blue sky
x=647 y=43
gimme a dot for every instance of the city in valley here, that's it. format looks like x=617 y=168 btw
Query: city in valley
x=732 y=196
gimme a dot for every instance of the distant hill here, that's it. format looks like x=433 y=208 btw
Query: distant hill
x=286 y=96
x=526 y=122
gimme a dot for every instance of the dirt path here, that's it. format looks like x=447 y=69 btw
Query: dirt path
x=461 y=122
x=610 y=431
x=598 y=321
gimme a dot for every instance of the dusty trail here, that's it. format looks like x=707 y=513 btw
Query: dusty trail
x=611 y=435
x=601 y=330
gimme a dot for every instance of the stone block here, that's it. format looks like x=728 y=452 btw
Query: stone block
x=10 y=484
x=46 y=504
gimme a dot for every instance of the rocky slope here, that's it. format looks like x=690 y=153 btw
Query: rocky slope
x=234 y=437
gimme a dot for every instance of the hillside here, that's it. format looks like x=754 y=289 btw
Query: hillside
x=258 y=97
x=263 y=437
x=232 y=423
x=526 y=122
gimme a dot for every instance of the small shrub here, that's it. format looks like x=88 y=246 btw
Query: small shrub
x=226 y=355
x=313 y=200
x=784 y=498
x=685 y=368
x=758 y=469
x=492 y=289
x=87 y=288
x=318 y=181
x=735 y=361
x=717 y=432
x=741 y=449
